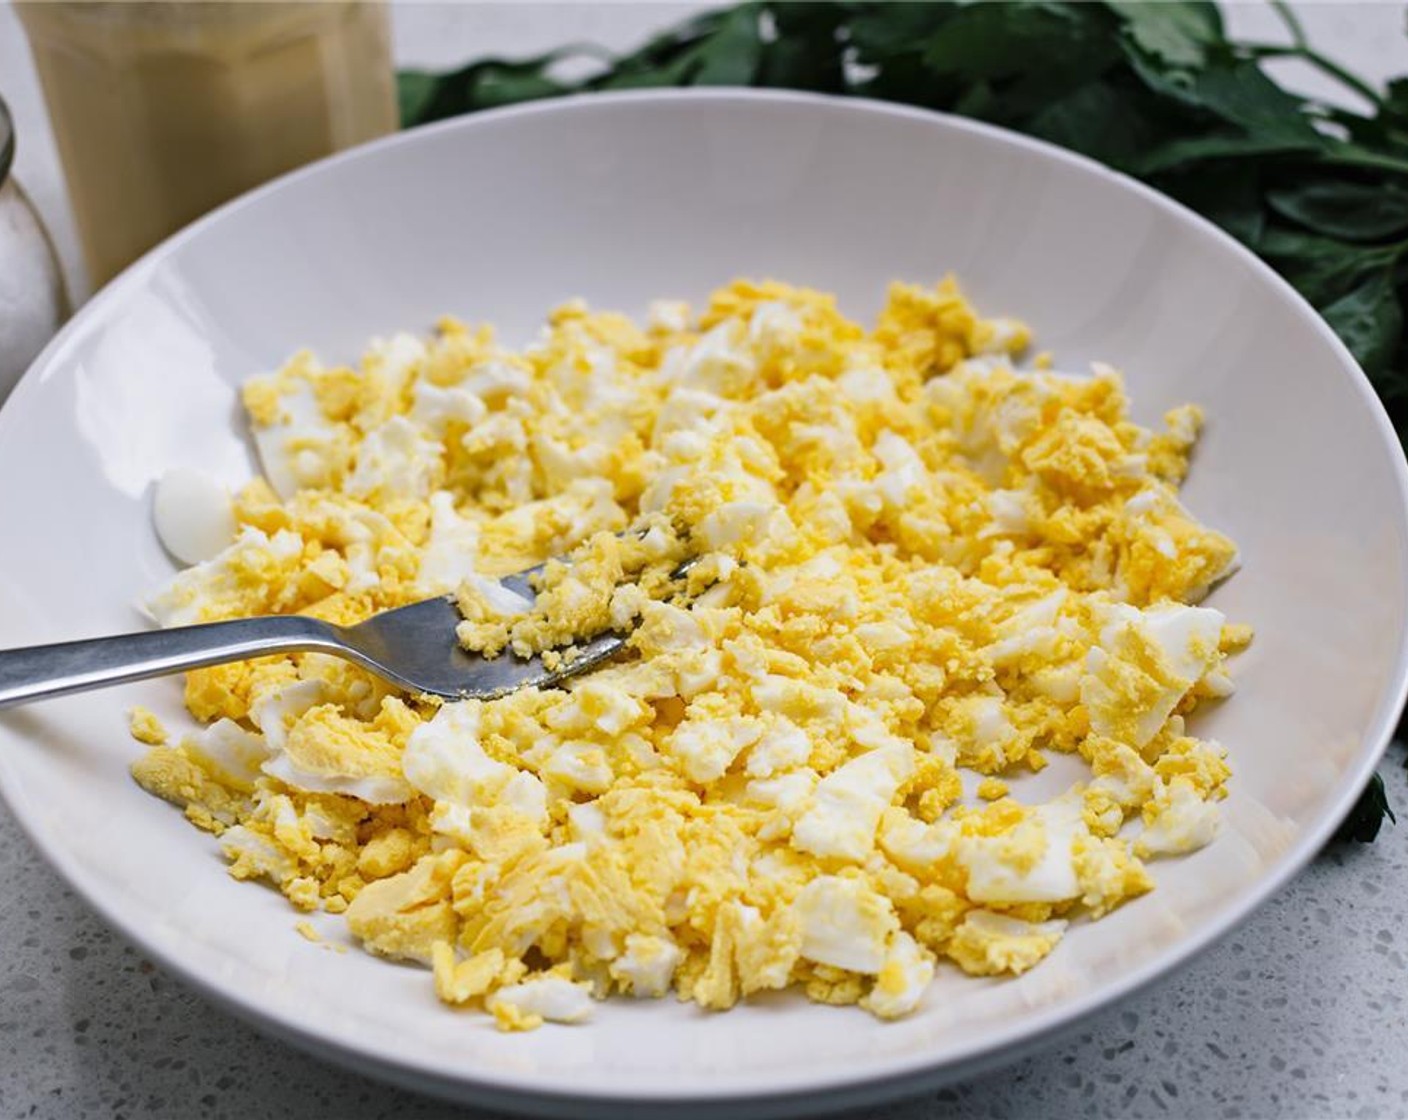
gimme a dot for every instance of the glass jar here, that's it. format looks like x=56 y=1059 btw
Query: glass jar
x=33 y=300
x=164 y=110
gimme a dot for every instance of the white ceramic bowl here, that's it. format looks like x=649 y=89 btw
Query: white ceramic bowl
x=621 y=199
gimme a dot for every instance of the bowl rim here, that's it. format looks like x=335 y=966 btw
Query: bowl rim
x=886 y=1076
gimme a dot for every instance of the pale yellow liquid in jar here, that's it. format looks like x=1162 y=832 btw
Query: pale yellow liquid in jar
x=164 y=110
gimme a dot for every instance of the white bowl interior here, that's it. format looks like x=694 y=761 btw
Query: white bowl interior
x=622 y=200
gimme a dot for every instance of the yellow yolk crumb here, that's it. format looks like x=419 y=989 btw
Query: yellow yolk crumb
x=912 y=557
x=145 y=727
x=1236 y=637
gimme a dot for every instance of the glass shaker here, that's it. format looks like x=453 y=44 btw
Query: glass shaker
x=33 y=300
x=163 y=110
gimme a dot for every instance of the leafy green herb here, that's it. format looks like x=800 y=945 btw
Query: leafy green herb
x=1369 y=318
x=807 y=52
x=1367 y=817
x=1156 y=90
x=1347 y=210
x=486 y=84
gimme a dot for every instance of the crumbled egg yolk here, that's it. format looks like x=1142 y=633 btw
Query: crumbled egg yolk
x=145 y=726
x=913 y=559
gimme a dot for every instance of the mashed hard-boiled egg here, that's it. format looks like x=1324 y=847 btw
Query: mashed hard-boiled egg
x=914 y=561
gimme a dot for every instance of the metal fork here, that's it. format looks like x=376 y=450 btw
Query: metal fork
x=414 y=647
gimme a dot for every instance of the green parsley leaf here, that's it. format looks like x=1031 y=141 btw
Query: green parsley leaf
x=1179 y=34
x=1367 y=817
x=1349 y=210
x=1369 y=319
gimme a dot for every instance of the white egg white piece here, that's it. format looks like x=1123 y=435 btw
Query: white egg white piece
x=585 y=821
x=273 y=710
x=261 y=853
x=844 y=924
x=846 y=807
x=1186 y=639
x=671 y=315
x=229 y=749
x=782 y=746
x=396 y=358
x=903 y=978
x=294 y=450
x=396 y=460
x=996 y=865
x=526 y=793
x=903 y=469
x=452 y=826
x=185 y=597
x=448 y=559
x=444 y=760
x=648 y=965
x=501 y=601
x=550 y=997
x=706 y=748
x=193 y=516
x=914 y=844
x=578 y=766
x=1183 y=822
x=373 y=789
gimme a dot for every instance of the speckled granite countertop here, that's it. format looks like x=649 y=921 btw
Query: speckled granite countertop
x=1301 y=1013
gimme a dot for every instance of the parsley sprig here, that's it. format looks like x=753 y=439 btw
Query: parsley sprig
x=1159 y=91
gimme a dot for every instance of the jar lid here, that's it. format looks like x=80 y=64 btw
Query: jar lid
x=7 y=141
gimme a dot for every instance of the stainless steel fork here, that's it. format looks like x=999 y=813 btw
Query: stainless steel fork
x=414 y=647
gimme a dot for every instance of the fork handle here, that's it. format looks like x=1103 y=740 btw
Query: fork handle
x=39 y=672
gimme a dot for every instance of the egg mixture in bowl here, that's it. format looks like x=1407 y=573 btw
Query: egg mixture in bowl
x=922 y=570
